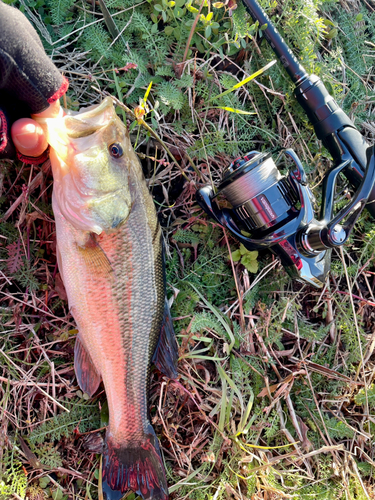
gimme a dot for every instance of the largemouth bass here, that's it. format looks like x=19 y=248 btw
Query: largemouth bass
x=110 y=257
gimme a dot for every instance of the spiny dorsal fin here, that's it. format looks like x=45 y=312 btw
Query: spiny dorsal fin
x=87 y=375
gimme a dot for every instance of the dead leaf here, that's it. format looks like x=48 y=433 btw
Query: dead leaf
x=30 y=457
x=273 y=388
x=306 y=443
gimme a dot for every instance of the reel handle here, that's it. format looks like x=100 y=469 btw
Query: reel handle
x=330 y=232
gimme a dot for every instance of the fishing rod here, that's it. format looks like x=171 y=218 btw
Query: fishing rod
x=277 y=210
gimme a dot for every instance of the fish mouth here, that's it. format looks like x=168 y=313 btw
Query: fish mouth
x=90 y=120
x=66 y=134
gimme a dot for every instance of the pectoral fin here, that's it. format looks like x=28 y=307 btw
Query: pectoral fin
x=95 y=258
x=166 y=353
x=87 y=375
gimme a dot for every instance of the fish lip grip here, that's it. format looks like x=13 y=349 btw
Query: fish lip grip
x=279 y=212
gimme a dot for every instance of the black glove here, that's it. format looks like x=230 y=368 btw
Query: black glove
x=29 y=81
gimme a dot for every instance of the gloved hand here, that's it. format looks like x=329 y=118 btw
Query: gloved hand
x=29 y=84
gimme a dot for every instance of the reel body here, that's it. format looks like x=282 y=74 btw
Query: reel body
x=278 y=212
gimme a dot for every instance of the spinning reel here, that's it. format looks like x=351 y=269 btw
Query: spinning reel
x=278 y=211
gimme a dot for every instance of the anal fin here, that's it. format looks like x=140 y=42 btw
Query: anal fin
x=166 y=352
x=87 y=375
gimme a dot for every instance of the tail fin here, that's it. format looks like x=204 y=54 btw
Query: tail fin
x=138 y=467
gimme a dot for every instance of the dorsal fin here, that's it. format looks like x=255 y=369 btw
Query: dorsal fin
x=166 y=352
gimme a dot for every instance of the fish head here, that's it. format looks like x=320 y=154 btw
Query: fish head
x=91 y=158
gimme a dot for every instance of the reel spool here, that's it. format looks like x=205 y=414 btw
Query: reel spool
x=261 y=197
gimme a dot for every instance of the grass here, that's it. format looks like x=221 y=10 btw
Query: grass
x=275 y=396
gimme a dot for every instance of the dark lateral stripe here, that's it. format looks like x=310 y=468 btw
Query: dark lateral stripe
x=127 y=341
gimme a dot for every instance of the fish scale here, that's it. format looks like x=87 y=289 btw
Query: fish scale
x=110 y=256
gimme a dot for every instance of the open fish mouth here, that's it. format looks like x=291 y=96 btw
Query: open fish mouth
x=76 y=131
x=91 y=120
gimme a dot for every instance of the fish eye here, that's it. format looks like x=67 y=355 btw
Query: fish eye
x=115 y=150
